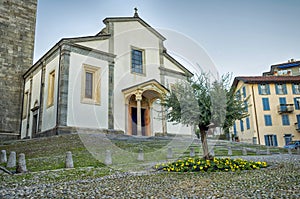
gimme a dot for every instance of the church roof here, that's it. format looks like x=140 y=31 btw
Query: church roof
x=134 y=18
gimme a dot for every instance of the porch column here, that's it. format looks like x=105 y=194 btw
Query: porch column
x=138 y=98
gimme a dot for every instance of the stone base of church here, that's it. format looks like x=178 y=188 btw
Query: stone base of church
x=73 y=130
x=8 y=137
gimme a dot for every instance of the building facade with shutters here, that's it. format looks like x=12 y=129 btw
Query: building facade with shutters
x=273 y=105
x=113 y=80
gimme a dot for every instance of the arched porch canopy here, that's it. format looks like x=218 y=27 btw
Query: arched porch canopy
x=139 y=89
x=141 y=97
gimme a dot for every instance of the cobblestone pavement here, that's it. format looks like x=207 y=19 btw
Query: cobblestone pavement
x=280 y=180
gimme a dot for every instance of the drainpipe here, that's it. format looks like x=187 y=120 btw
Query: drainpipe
x=255 y=115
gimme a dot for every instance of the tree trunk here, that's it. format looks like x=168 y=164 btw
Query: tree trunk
x=203 y=130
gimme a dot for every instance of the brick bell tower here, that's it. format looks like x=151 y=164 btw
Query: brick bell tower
x=17 y=33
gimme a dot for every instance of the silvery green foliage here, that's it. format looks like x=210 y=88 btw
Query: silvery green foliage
x=201 y=103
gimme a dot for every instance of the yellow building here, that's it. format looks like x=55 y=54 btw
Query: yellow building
x=273 y=104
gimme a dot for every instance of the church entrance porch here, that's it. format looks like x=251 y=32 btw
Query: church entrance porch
x=139 y=101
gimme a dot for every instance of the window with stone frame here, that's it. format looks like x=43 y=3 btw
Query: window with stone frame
x=90 y=88
x=25 y=105
x=51 y=86
x=137 y=61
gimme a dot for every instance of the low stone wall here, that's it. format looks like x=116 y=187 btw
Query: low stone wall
x=6 y=137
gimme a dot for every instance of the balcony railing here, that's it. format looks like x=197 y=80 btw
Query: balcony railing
x=297 y=126
x=285 y=108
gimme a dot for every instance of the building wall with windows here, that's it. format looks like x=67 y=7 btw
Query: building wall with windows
x=273 y=113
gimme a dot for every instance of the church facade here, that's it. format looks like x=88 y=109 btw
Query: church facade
x=111 y=81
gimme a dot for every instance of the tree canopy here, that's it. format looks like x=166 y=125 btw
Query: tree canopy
x=198 y=102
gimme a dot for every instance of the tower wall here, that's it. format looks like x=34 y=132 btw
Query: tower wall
x=17 y=31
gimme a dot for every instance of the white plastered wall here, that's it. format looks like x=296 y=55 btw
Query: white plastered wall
x=127 y=35
x=82 y=114
x=35 y=97
x=49 y=113
x=101 y=45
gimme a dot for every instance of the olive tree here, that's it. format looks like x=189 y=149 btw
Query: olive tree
x=198 y=102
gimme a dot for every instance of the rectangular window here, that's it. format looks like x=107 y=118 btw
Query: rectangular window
x=246 y=106
x=244 y=92
x=285 y=120
x=90 y=89
x=25 y=105
x=248 y=123
x=282 y=103
x=298 y=121
x=137 y=61
x=89 y=85
x=271 y=140
x=238 y=95
x=268 y=120
x=296 y=88
x=297 y=103
x=51 y=86
x=280 y=89
x=266 y=104
x=242 y=125
x=264 y=89
x=234 y=129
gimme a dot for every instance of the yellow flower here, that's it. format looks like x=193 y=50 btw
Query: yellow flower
x=201 y=168
x=195 y=167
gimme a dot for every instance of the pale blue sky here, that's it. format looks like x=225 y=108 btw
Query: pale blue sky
x=240 y=36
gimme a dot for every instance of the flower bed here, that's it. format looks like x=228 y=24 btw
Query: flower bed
x=217 y=164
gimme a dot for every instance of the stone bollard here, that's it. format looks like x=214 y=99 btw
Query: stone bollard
x=140 y=155
x=170 y=153
x=108 y=158
x=11 y=160
x=257 y=151
x=212 y=152
x=244 y=151
x=229 y=150
x=290 y=151
x=69 y=160
x=21 y=167
x=3 y=158
x=192 y=152
x=268 y=151
x=298 y=150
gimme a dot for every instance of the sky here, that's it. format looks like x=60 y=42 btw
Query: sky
x=241 y=37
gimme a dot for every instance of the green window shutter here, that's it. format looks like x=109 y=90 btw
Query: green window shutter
x=276 y=89
x=267 y=140
x=284 y=89
x=296 y=103
x=275 y=140
x=268 y=89
x=259 y=89
x=293 y=88
x=266 y=105
x=248 y=123
x=244 y=92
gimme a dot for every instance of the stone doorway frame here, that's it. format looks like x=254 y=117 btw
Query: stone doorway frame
x=142 y=96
